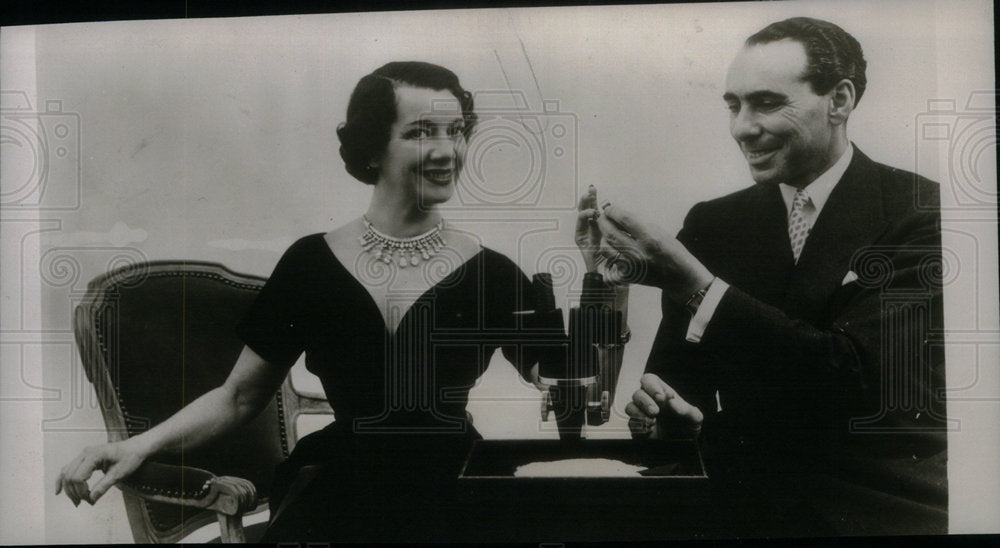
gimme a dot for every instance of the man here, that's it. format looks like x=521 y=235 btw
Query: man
x=799 y=313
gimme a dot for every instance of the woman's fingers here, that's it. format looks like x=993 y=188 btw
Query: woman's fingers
x=102 y=486
x=589 y=199
x=74 y=476
x=73 y=490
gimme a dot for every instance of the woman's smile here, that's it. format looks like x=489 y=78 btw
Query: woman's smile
x=438 y=176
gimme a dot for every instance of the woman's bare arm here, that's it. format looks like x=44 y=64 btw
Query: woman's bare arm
x=248 y=389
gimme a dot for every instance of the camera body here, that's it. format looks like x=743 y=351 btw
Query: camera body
x=960 y=144
x=41 y=151
x=519 y=157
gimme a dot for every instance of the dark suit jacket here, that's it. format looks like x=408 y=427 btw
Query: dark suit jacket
x=817 y=378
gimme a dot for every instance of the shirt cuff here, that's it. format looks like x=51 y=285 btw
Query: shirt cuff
x=699 y=322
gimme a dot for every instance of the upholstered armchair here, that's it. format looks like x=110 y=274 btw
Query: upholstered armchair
x=153 y=337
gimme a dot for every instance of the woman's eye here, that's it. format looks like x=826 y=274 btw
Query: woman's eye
x=417 y=133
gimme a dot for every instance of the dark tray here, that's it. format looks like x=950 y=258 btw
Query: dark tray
x=496 y=459
x=672 y=502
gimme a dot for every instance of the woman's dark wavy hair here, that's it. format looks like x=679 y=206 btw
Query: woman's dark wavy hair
x=372 y=111
x=831 y=53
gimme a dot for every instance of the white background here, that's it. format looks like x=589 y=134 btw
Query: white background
x=214 y=140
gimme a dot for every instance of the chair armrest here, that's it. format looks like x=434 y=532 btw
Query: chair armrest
x=228 y=496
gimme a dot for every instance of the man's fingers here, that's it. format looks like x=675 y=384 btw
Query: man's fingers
x=644 y=401
x=682 y=408
x=635 y=412
x=657 y=392
x=613 y=233
x=625 y=221
x=656 y=388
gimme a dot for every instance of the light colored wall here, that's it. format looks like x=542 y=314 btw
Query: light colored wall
x=214 y=140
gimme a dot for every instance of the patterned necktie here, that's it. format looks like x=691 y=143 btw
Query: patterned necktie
x=798 y=228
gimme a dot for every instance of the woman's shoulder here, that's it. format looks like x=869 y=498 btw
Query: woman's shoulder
x=306 y=246
x=499 y=266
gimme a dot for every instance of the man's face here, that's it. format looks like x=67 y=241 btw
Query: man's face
x=782 y=127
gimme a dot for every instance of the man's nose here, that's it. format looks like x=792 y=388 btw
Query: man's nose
x=744 y=126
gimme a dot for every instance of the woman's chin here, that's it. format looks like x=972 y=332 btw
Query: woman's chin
x=437 y=193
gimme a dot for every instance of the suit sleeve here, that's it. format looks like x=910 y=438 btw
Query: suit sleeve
x=682 y=364
x=876 y=353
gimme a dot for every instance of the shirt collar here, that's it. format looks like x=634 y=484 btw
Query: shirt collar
x=820 y=189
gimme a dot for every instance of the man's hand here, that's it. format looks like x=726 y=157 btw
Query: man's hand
x=647 y=255
x=117 y=460
x=656 y=404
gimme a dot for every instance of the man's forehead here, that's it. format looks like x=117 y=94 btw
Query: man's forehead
x=764 y=66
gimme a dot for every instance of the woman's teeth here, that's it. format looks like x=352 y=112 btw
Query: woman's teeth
x=438 y=175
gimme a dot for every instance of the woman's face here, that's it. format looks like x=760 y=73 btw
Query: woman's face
x=426 y=146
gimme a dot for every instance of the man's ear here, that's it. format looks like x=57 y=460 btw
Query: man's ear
x=841 y=101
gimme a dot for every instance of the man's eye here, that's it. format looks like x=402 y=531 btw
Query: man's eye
x=768 y=104
x=733 y=107
x=455 y=131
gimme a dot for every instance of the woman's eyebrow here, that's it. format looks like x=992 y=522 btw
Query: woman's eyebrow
x=432 y=121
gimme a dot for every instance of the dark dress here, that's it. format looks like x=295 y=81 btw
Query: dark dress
x=391 y=458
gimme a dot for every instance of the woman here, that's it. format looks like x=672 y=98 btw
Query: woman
x=398 y=314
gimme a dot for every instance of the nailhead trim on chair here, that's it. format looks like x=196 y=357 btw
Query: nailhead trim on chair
x=104 y=347
x=197 y=494
x=282 y=428
x=105 y=303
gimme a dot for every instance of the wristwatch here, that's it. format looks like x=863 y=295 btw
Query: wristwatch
x=695 y=300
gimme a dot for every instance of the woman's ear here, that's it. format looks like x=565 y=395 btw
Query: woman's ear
x=842 y=101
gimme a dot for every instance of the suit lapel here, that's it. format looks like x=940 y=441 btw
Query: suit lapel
x=851 y=219
x=758 y=257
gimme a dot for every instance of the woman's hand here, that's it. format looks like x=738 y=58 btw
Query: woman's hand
x=247 y=391
x=117 y=460
x=588 y=235
x=647 y=255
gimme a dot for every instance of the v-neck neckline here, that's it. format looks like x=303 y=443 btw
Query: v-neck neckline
x=371 y=299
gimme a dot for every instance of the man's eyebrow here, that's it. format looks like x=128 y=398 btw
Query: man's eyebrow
x=754 y=96
x=764 y=94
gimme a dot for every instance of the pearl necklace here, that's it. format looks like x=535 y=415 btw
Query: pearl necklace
x=383 y=246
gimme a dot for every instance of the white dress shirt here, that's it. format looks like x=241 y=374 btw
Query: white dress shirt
x=819 y=192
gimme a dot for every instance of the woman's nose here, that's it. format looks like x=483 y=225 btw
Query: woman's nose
x=442 y=148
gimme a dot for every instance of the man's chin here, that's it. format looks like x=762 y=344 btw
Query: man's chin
x=765 y=177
